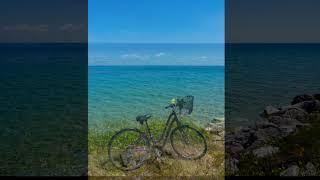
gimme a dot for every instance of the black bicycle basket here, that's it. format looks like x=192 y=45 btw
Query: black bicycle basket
x=185 y=105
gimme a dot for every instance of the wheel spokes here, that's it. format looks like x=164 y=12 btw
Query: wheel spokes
x=128 y=150
x=188 y=143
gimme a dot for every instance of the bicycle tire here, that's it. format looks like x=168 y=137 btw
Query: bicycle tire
x=115 y=139
x=192 y=147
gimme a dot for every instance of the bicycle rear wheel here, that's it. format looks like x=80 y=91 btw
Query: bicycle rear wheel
x=128 y=149
x=188 y=142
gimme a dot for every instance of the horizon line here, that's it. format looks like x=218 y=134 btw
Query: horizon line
x=272 y=43
x=156 y=42
x=204 y=65
x=226 y=43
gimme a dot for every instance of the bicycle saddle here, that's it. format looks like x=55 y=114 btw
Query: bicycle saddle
x=142 y=118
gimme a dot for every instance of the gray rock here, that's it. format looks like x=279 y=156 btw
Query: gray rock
x=290 y=126
x=276 y=119
x=229 y=137
x=308 y=106
x=286 y=124
x=267 y=134
x=302 y=98
x=286 y=108
x=232 y=165
x=317 y=96
x=296 y=113
x=216 y=128
x=265 y=151
x=265 y=124
x=218 y=120
x=221 y=134
x=291 y=122
x=269 y=110
x=311 y=106
x=244 y=136
x=256 y=144
x=234 y=148
x=286 y=130
x=310 y=170
x=218 y=125
x=245 y=129
x=209 y=129
x=293 y=170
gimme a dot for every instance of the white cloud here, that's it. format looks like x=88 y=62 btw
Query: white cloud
x=160 y=54
x=41 y=27
x=26 y=27
x=134 y=56
x=71 y=27
x=201 y=58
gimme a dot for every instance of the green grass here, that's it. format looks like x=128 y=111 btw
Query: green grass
x=212 y=164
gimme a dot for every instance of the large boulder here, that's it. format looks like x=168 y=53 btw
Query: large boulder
x=217 y=126
x=267 y=134
x=288 y=123
x=276 y=119
x=289 y=126
x=233 y=149
x=308 y=106
x=270 y=110
x=301 y=98
x=264 y=124
x=309 y=170
x=311 y=106
x=265 y=151
x=317 y=96
x=244 y=136
x=293 y=170
x=286 y=130
x=297 y=114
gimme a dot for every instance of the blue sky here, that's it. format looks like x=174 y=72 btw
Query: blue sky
x=156 y=21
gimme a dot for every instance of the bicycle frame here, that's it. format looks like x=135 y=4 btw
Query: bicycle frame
x=166 y=131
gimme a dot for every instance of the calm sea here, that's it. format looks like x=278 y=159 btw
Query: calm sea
x=147 y=77
x=43 y=108
x=258 y=75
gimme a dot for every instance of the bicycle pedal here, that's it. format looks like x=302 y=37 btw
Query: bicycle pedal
x=157 y=145
x=158 y=153
x=160 y=160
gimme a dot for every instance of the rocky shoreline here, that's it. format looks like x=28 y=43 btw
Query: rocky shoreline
x=275 y=124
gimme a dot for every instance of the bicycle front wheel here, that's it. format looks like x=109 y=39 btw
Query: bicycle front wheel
x=128 y=149
x=188 y=142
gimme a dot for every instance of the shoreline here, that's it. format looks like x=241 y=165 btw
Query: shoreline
x=279 y=143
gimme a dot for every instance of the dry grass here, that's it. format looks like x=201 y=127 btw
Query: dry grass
x=211 y=165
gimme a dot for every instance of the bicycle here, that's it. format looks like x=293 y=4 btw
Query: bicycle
x=130 y=148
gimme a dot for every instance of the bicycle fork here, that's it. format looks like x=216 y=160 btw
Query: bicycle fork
x=184 y=137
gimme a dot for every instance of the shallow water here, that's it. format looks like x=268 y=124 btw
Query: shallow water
x=120 y=93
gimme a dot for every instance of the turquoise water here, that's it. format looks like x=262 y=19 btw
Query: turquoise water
x=120 y=93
